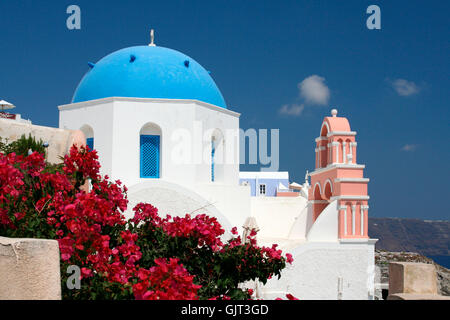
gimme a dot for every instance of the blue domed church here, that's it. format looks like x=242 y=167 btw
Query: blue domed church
x=161 y=125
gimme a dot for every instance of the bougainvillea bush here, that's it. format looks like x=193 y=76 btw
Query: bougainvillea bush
x=147 y=257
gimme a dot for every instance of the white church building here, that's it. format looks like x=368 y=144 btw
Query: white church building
x=161 y=125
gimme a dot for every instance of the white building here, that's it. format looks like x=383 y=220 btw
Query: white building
x=161 y=126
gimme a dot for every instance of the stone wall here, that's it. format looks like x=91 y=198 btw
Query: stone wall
x=413 y=281
x=383 y=258
x=29 y=269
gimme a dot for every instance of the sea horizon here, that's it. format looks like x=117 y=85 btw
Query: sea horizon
x=442 y=260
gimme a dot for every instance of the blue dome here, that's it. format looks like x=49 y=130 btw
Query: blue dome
x=148 y=72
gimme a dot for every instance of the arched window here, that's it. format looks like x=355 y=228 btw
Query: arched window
x=90 y=143
x=359 y=219
x=328 y=192
x=340 y=151
x=324 y=150
x=318 y=206
x=324 y=130
x=89 y=134
x=217 y=156
x=150 y=151
x=213 y=151
x=348 y=151
x=349 y=219
x=317 y=191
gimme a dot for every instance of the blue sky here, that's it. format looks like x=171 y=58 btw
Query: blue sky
x=392 y=83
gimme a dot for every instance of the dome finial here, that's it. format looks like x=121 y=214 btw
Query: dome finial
x=334 y=112
x=152 y=38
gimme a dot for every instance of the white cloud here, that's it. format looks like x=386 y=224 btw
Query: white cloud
x=292 y=110
x=404 y=87
x=314 y=90
x=409 y=147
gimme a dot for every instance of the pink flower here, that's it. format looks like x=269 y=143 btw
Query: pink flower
x=289 y=258
x=86 y=273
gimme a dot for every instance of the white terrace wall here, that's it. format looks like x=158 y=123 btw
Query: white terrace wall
x=326 y=271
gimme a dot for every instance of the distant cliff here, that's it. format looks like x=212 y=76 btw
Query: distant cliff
x=427 y=237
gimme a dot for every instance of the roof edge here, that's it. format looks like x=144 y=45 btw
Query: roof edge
x=90 y=103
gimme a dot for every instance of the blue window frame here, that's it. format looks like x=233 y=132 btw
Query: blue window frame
x=213 y=151
x=149 y=149
x=90 y=143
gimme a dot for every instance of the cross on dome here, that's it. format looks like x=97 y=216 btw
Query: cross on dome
x=152 y=38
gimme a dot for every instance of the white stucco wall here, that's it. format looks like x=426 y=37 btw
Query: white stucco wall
x=231 y=200
x=211 y=199
x=303 y=222
x=175 y=200
x=276 y=215
x=116 y=123
x=321 y=261
x=317 y=268
x=99 y=116
x=325 y=228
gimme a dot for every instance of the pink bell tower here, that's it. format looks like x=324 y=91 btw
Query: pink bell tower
x=338 y=177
